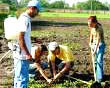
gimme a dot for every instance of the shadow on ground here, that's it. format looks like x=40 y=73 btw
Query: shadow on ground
x=56 y=24
x=88 y=77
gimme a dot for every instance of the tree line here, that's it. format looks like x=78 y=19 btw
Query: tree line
x=87 y=5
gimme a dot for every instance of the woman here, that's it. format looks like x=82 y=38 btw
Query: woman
x=97 y=45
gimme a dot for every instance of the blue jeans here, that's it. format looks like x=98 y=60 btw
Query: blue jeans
x=33 y=70
x=99 y=62
x=21 y=77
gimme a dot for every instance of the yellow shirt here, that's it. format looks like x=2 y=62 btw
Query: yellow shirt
x=65 y=54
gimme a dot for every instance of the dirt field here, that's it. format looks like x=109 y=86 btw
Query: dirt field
x=69 y=31
x=78 y=27
x=75 y=30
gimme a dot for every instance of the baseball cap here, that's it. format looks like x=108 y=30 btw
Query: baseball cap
x=52 y=46
x=34 y=3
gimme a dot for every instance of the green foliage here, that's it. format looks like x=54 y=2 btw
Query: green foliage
x=73 y=6
x=1 y=31
x=2 y=17
x=12 y=3
x=44 y=3
x=37 y=84
x=65 y=84
x=96 y=5
x=23 y=3
x=6 y=1
x=57 y=4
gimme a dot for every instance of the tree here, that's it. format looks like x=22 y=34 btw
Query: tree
x=12 y=3
x=23 y=3
x=73 y=6
x=44 y=3
x=57 y=4
x=66 y=6
x=96 y=5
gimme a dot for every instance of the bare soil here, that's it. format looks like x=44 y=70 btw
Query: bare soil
x=82 y=64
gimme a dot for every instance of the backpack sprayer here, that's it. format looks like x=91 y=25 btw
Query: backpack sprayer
x=10 y=31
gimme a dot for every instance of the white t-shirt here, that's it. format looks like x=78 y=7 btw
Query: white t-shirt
x=33 y=49
x=24 y=22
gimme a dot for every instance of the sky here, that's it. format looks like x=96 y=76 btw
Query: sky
x=70 y=2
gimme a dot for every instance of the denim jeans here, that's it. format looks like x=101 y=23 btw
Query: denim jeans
x=21 y=77
x=99 y=62
x=33 y=70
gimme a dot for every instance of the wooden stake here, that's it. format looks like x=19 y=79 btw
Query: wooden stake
x=88 y=83
x=93 y=62
x=5 y=55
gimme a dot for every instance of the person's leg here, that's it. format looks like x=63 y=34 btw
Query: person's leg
x=99 y=62
x=44 y=65
x=32 y=70
x=99 y=66
x=21 y=74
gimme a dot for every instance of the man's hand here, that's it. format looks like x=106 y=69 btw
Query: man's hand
x=29 y=57
x=57 y=76
x=49 y=81
x=54 y=74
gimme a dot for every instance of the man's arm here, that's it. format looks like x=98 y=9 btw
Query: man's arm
x=65 y=69
x=53 y=68
x=52 y=62
x=23 y=45
x=42 y=72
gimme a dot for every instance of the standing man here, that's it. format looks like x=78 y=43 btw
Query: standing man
x=22 y=54
x=97 y=45
x=60 y=56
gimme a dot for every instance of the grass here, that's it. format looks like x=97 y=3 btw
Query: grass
x=65 y=84
x=54 y=14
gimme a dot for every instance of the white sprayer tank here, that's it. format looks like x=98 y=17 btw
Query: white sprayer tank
x=11 y=28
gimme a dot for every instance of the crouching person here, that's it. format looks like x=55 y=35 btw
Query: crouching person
x=37 y=52
x=59 y=56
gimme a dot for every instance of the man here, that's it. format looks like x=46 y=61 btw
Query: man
x=22 y=54
x=61 y=56
x=97 y=45
x=37 y=52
